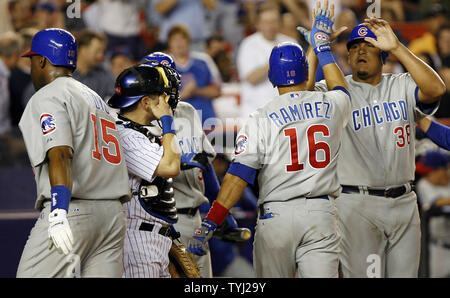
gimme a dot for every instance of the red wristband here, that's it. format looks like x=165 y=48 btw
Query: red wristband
x=217 y=213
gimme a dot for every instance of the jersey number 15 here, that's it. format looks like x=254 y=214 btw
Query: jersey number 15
x=107 y=138
x=314 y=146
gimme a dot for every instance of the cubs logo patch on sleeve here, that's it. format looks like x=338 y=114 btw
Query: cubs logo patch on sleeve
x=241 y=144
x=47 y=123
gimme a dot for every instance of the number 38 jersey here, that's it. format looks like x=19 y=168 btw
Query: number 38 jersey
x=294 y=141
x=67 y=113
x=378 y=142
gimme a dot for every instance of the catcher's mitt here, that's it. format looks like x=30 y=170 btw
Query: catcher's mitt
x=181 y=262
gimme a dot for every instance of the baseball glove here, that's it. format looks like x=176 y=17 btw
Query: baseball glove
x=181 y=262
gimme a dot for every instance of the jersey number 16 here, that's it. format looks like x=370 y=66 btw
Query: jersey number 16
x=314 y=146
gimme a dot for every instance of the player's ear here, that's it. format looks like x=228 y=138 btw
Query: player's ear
x=42 y=62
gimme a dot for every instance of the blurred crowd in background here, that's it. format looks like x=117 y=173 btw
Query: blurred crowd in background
x=221 y=49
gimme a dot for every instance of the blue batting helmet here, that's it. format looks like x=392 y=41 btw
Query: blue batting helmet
x=57 y=45
x=360 y=32
x=287 y=65
x=159 y=58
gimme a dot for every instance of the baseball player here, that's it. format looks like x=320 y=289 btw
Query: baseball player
x=378 y=214
x=438 y=133
x=81 y=177
x=293 y=141
x=197 y=182
x=143 y=94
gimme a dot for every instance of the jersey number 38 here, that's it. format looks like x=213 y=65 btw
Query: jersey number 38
x=314 y=147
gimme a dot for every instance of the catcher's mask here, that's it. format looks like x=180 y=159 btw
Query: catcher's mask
x=141 y=80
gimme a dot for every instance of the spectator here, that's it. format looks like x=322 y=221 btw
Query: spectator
x=433 y=191
x=20 y=78
x=434 y=19
x=253 y=59
x=10 y=144
x=5 y=17
x=20 y=13
x=225 y=19
x=9 y=55
x=443 y=41
x=121 y=59
x=47 y=15
x=189 y=13
x=120 y=21
x=200 y=78
x=217 y=48
x=90 y=71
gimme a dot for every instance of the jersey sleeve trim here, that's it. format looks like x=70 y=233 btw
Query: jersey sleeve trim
x=343 y=90
x=439 y=134
x=246 y=173
x=427 y=108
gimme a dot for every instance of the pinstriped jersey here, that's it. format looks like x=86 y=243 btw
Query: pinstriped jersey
x=68 y=113
x=294 y=141
x=378 y=143
x=142 y=158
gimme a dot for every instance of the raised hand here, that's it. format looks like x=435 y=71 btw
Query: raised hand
x=386 y=38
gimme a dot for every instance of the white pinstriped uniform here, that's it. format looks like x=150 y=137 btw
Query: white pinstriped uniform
x=145 y=253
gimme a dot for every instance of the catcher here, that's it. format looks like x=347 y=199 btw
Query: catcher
x=143 y=94
x=197 y=182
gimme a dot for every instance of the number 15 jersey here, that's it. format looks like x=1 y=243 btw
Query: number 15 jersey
x=68 y=113
x=294 y=141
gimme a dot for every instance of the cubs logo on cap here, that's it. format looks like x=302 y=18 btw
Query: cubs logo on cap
x=362 y=31
x=47 y=123
x=241 y=144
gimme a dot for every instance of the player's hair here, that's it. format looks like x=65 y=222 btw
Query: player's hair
x=267 y=6
x=86 y=36
x=179 y=29
x=10 y=44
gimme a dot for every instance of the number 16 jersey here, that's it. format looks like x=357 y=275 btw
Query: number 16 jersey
x=294 y=141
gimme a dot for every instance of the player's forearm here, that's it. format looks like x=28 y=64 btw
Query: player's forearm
x=334 y=76
x=436 y=132
x=169 y=165
x=424 y=124
x=211 y=91
x=229 y=194
x=231 y=190
x=431 y=86
x=258 y=75
x=312 y=68
x=60 y=166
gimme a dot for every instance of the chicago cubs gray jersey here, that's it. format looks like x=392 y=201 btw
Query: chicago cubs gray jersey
x=189 y=187
x=294 y=141
x=68 y=113
x=142 y=158
x=378 y=143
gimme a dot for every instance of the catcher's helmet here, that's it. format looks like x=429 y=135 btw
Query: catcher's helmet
x=159 y=58
x=138 y=81
x=287 y=65
x=360 y=32
x=57 y=45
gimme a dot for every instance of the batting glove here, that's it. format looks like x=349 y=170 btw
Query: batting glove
x=319 y=36
x=199 y=160
x=59 y=232
x=199 y=243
